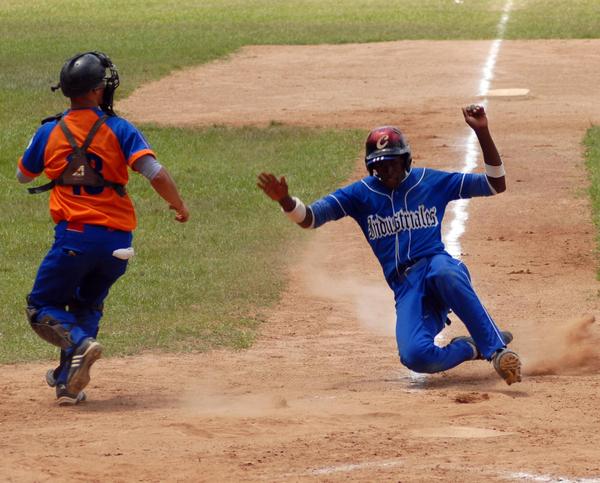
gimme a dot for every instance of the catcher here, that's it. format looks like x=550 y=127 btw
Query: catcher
x=85 y=152
x=400 y=210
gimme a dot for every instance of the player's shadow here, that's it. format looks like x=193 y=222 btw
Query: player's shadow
x=126 y=402
x=473 y=382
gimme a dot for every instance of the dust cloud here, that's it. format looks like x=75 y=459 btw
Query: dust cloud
x=570 y=349
x=371 y=301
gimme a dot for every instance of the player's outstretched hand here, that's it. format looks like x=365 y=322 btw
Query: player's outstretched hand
x=475 y=117
x=183 y=213
x=276 y=189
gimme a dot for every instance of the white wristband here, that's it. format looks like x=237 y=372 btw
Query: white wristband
x=298 y=214
x=494 y=171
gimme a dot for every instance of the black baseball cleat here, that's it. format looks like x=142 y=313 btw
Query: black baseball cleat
x=88 y=352
x=506 y=335
x=66 y=398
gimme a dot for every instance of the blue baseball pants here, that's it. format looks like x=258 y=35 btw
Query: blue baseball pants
x=424 y=296
x=74 y=279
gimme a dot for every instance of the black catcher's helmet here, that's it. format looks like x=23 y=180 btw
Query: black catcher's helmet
x=84 y=72
x=384 y=143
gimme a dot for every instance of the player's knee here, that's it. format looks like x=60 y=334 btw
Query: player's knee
x=420 y=359
x=48 y=328
x=451 y=278
x=450 y=273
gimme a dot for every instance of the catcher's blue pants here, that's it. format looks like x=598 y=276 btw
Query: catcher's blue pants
x=424 y=296
x=74 y=279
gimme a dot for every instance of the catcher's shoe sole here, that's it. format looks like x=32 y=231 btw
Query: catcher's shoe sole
x=508 y=366
x=79 y=373
x=65 y=398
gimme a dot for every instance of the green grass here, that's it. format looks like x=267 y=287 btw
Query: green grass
x=592 y=156
x=203 y=284
x=194 y=285
x=554 y=19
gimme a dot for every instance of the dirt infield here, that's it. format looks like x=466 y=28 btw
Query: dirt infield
x=321 y=395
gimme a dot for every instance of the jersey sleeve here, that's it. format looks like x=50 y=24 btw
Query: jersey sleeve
x=334 y=206
x=466 y=185
x=31 y=163
x=133 y=143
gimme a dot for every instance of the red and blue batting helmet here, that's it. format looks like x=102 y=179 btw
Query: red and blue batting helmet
x=385 y=143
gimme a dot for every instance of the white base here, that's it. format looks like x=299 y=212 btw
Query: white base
x=507 y=92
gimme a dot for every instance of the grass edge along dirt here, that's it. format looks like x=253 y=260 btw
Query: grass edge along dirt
x=201 y=284
x=592 y=161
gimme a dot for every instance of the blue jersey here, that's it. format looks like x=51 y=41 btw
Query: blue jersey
x=404 y=224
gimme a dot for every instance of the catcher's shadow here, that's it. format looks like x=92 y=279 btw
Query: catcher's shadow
x=126 y=402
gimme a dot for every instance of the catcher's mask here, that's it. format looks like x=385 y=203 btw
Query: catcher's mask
x=84 y=72
x=386 y=143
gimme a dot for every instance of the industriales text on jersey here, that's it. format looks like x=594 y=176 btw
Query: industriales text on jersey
x=401 y=220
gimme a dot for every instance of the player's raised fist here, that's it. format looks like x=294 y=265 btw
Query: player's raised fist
x=475 y=116
x=276 y=189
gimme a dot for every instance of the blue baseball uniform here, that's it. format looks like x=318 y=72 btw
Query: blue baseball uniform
x=403 y=228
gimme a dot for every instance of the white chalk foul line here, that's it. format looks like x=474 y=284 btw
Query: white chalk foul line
x=328 y=470
x=549 y=478
x=459 y=209
x=517 y=476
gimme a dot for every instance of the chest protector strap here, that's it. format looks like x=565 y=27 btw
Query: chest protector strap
x=78 y=171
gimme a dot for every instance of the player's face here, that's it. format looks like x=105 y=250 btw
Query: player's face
x=391 y=172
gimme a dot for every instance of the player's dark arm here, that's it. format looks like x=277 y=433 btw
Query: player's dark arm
x=277 y=190
x=476 y=118
x=491 y=157
x=163 y=184
x=289 y=204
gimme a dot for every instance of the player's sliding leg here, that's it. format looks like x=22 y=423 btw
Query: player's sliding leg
x=417 y=324
x=450 y=279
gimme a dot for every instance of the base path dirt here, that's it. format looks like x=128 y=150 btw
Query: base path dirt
x=322 y=395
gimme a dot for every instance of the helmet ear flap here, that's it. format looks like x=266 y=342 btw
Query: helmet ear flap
x=407 y=163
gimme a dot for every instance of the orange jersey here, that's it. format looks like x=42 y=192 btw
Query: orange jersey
x=116 y=145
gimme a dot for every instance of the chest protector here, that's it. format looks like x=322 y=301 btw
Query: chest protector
x=78 y=171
